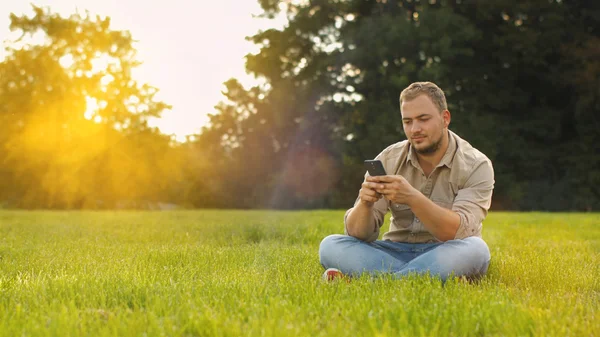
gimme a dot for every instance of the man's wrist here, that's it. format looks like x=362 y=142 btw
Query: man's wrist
x=367 y=204
x=415 y=199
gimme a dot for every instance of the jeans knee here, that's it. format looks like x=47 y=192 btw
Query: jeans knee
x=329 y=247
x=479 y=249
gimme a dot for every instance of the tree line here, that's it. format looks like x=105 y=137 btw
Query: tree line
x=522 y=81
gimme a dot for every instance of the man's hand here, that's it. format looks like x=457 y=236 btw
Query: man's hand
x=368 y=195
x=361 y=222
x=440 y=222
x=394 y=188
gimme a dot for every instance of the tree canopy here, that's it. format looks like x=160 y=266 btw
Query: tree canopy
x=74 y=129
x=522 y=80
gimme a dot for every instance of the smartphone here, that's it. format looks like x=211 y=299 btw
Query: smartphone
x=375 y=168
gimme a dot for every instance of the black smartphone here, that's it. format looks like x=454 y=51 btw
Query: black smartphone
x=375 y=168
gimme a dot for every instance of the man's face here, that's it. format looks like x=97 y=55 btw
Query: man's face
x=423 y=124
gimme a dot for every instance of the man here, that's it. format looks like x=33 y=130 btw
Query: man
x=438 y=189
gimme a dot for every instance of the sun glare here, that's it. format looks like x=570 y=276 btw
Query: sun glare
x=91 y=105
x=101 y=62
x=188 y=62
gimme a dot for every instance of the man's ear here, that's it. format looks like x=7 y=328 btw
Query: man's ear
x=447 y=116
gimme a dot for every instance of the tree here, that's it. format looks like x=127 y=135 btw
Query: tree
x=74 y=121
x=519 y=78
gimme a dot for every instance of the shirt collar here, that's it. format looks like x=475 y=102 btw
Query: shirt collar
x=412 y=155
x=448 y=157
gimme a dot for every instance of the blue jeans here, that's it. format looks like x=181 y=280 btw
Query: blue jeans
x=468 y=257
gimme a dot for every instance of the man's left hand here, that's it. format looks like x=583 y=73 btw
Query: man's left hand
x=394 y=188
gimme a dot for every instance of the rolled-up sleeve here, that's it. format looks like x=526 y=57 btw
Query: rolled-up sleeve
x=474 y=200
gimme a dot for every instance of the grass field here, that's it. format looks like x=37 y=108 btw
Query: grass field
x=256 y=273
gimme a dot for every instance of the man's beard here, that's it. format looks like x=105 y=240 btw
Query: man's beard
x=433 y=147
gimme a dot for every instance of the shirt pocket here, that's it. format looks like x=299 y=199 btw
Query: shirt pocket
x=403 y=215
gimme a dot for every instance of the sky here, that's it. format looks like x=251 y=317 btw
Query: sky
x=188 y=48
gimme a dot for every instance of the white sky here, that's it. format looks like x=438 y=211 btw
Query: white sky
x=189 y=48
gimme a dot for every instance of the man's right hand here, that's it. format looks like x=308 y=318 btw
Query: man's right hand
x=368 y=195
x=360 y=222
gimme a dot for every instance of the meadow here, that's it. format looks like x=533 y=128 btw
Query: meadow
x=256 y=273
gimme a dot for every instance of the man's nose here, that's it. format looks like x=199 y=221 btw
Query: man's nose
x=415 y=127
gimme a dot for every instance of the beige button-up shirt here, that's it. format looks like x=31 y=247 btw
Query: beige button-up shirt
x=463 y=181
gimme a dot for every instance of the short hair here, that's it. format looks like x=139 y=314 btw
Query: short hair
x=425 y=88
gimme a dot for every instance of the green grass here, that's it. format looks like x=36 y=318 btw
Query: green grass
x=256 y=273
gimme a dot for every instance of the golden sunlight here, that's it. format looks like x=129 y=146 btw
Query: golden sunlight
x=196 y=47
